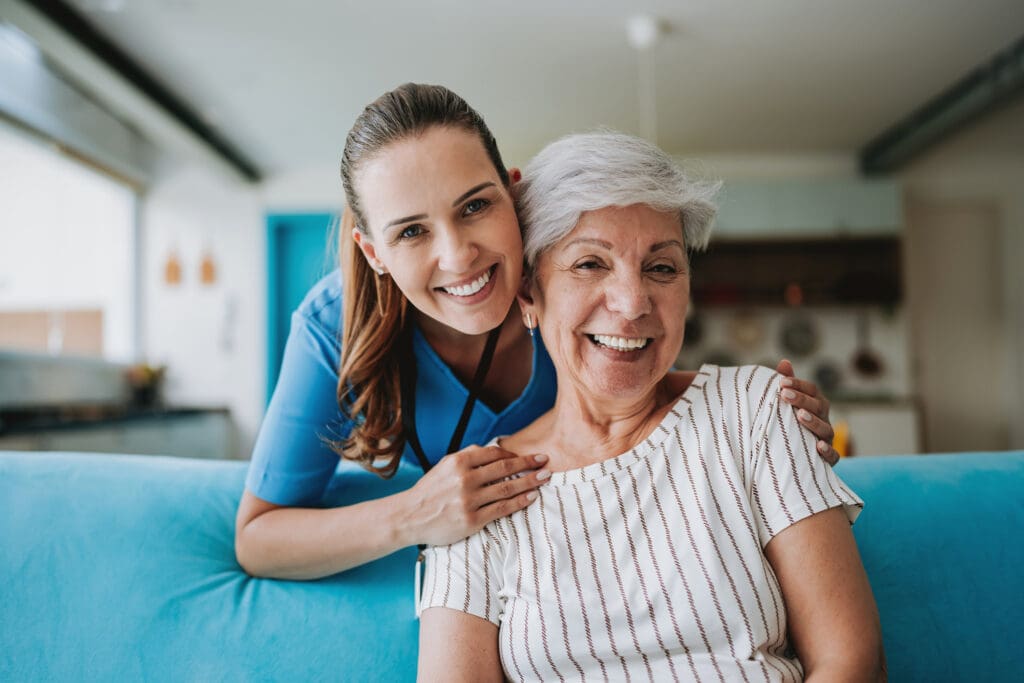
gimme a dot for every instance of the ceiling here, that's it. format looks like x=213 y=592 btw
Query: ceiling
x=284 y=81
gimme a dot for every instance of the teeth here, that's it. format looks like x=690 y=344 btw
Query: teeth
x=472 y=288
x=620 y=343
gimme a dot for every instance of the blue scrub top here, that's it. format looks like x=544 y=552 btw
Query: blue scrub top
x=291 y=464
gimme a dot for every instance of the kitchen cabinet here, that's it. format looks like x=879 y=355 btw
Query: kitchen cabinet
x=819 y=208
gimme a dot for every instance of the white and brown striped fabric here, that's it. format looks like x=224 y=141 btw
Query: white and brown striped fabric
x=649 y=566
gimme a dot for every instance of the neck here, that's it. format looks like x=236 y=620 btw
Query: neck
x=510 y=368
x=586 y=430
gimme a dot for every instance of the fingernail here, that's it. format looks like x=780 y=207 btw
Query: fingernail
x=804 y=415
x=541 y=458
x=543 y=474
x=789 y=393
x=822 y=446
x=532 y=495
x=786 y=382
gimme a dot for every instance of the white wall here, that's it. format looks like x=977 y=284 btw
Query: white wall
x=66 y=234
x=984 y=166
x=211 y=337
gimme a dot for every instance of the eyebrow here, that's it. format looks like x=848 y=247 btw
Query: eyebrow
x=397 y=221
x=608 y=245
x=472 y=191
x=421 y=216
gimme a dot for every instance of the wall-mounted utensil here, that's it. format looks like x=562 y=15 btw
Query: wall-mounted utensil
x=828 y=376
x=799 y=335
x=865 y=360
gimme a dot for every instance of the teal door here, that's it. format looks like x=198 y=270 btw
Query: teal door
x=301 y=249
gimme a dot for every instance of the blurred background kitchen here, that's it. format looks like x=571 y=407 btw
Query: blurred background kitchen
x=168 y=179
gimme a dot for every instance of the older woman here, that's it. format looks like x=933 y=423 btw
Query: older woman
x=688 y=530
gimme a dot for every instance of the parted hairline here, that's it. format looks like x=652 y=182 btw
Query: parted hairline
x=591 y=171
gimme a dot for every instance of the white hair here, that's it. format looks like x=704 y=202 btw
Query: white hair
x=591 y=171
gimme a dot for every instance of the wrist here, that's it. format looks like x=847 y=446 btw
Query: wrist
x=403 y=519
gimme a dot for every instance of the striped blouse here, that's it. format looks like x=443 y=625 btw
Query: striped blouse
x=649 y=566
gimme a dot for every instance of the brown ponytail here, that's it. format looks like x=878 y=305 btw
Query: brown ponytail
x=375 y=322
x=369 y=387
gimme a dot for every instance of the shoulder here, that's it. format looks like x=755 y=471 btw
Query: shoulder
x=322 y=304
x=752 y=383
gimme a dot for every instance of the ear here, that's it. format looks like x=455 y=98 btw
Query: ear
x=525 y=296
x=365 y=245
x=514 y=176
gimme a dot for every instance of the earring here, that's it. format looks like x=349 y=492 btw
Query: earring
x=529 y=323
x=380 y=271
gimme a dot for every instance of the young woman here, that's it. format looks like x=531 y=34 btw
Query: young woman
x=424 y=355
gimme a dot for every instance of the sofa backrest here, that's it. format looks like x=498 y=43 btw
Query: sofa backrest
x=123 y=568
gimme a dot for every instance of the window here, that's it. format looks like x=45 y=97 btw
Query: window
x=67 y=253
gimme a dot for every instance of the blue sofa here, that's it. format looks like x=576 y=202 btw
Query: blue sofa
x=122 y=568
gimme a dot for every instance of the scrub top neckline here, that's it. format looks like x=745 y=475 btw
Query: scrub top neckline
x=421 y=342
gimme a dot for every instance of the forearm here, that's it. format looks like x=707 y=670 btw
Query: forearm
x=306 y=543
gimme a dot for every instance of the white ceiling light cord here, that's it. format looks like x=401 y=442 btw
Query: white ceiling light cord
x=643 y=31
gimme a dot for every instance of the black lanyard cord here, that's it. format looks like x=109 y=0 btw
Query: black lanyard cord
x=408 y=385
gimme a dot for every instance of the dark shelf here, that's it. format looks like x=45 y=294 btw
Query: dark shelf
x=828 y=272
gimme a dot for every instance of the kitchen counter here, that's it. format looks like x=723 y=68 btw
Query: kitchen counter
x=191 y=431
x=86 y=416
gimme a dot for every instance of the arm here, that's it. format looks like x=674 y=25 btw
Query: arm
x=277 y=532
x=461 y=494
x=833 y=620
x=456 y=646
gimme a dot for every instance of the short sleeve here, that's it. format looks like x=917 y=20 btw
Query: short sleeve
x=465 y=576
x=291 y=463
x=790 y=480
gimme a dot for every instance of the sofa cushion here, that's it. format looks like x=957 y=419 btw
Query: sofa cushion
x=121 y=568
x=940 y=537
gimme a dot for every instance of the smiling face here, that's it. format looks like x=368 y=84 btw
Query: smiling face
x=443 y=225
x=610 y=299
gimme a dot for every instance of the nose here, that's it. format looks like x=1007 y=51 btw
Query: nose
x=627 y=295
x=456 y=253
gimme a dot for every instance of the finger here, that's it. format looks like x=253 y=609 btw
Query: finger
x=828 y=453
x=506 y=467
x=504 y=508
x=817 y=426
x=478 y=457
x=813 y=405
x=784 y=368
x=802 y=386
x=510 y=488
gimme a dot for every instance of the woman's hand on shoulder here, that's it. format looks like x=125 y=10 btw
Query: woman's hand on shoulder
x=812 y=409
x=471 y=488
